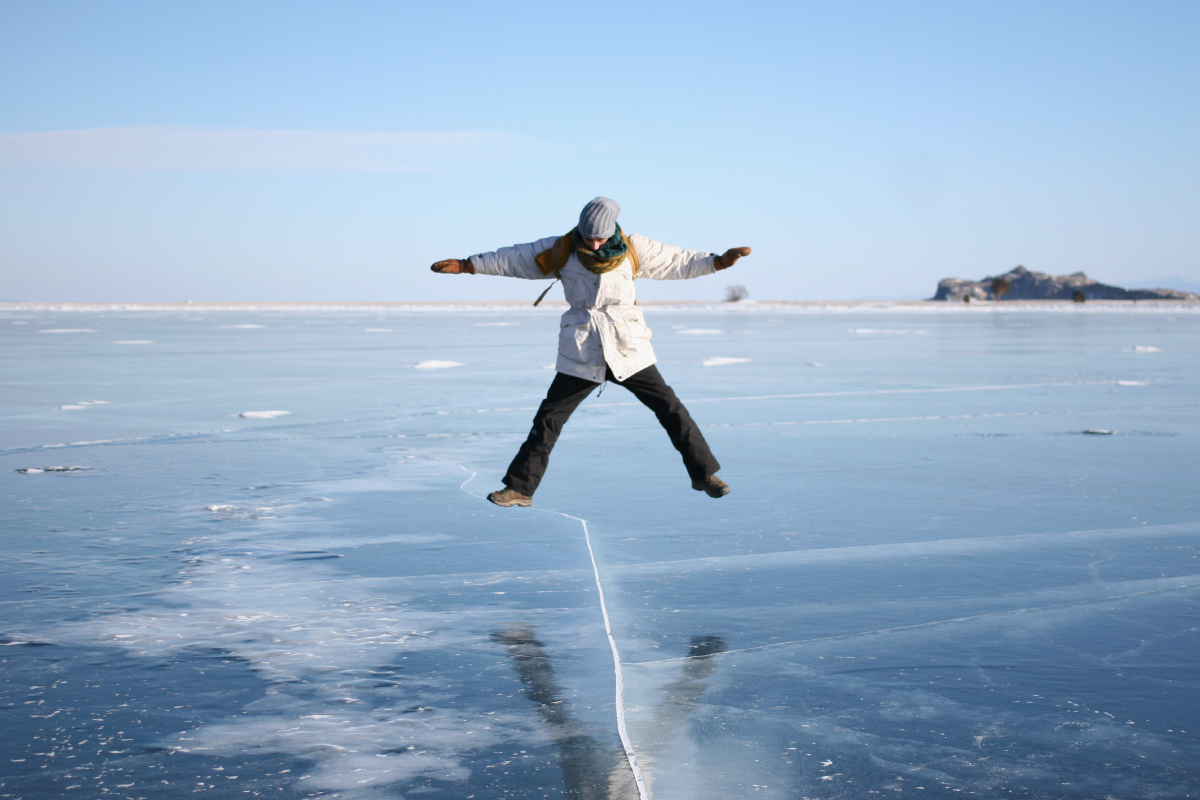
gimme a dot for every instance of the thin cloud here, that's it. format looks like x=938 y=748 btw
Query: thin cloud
x=179 y=149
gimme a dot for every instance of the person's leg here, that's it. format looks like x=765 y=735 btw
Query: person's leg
x=649 y=387
x=526 y=470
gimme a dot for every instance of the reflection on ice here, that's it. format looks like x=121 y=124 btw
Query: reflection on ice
x=664 y=724
x=590 y=770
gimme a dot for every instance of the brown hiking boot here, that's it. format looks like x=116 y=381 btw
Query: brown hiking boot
x=712 y=486
x=511 y=497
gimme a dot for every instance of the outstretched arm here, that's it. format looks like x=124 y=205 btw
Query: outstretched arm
x=663 y=262
x=514 y=262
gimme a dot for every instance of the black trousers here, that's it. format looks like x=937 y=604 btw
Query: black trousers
x=567 y=392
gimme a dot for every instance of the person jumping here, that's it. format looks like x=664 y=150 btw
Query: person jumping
x=602 y=336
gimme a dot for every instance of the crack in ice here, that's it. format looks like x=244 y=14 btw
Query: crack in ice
x=619 y=690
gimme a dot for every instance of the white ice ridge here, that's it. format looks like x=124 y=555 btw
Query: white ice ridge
x=892 y=551
x=925 y=390
x=848 y=393
x=1156 y=586
x=622 y=731
x=1072 y=411
x=720 y=361
x=261 y=414
x=882 y=330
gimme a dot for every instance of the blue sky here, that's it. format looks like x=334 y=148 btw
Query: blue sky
x=331 y=151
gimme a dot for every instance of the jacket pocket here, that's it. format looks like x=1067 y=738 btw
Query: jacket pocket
x=632 y=335
x=575 y=343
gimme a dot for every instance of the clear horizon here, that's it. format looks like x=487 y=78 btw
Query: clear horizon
x=276 y=152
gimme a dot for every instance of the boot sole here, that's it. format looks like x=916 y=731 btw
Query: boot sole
x=520 y=503
x=720 y=492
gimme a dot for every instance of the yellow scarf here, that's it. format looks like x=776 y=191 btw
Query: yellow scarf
x=555 y=258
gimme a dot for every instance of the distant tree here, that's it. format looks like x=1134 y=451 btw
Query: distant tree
x=735 y=293
x=1000 y=287
x=1078 y=296
x=966 y=298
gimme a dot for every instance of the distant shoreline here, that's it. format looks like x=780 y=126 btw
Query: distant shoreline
x=683 y=305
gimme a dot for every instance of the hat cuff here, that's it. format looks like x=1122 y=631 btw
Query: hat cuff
x=597 y=234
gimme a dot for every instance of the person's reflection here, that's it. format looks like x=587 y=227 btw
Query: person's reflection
x=590 y=770
x=679 y=700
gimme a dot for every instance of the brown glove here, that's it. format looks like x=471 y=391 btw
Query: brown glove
x=454 y=266
x=730 y=257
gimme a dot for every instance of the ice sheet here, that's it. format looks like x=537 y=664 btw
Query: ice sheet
x=933 y=576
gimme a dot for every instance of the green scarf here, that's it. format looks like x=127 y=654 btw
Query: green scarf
x=607 y=258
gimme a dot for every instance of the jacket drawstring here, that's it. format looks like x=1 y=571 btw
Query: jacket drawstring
x=557 y=278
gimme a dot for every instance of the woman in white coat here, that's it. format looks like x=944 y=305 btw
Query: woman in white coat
x=602 y=336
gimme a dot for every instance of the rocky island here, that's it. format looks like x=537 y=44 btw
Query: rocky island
x=1022 y=284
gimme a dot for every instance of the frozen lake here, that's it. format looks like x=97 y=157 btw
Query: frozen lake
x=960 y=557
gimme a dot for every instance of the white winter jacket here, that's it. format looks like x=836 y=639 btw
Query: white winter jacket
x=603 y=323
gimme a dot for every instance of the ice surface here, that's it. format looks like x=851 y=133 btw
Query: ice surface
x=960 y=558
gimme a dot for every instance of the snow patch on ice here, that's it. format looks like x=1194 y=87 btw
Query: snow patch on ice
x=1133 y=383
x=261 y=414
x=39 y=470
x=135 y=341
x=496 y=324
x=1142 y=348
x=243 y=326
x=721 y=361
x=438 y=364
x=379 y=330
x=700 y=330
x=67 y=330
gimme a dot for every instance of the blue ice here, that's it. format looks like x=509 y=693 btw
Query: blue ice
x=246 y=551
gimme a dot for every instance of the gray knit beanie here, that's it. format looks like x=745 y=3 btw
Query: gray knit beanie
x=598 y=220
